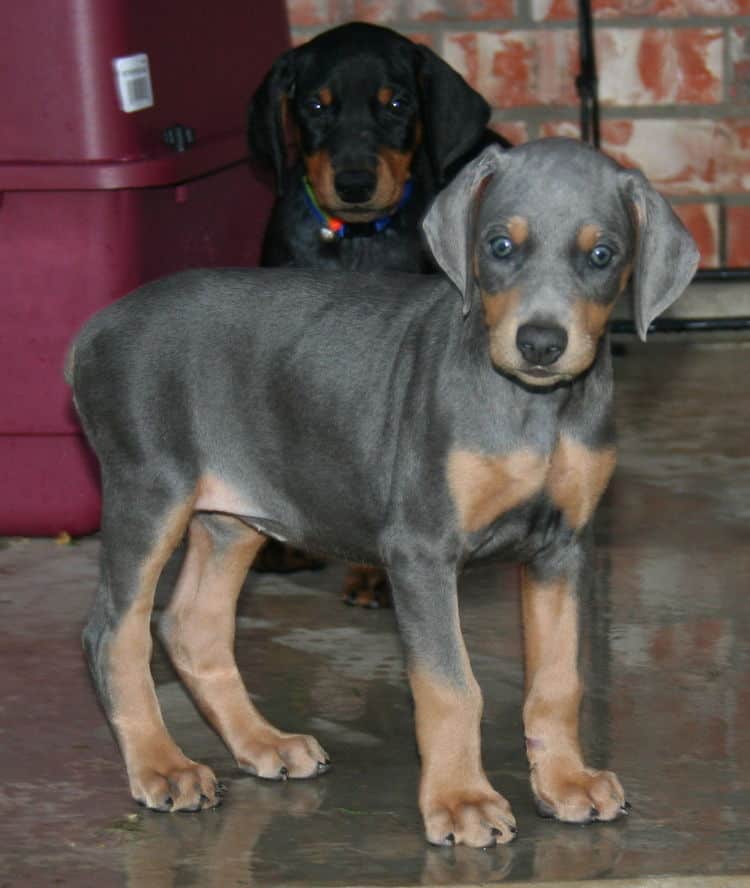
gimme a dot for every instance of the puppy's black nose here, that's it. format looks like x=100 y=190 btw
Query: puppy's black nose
x=541 y=344
x=354 y=186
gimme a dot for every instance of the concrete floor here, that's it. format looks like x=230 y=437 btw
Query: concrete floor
x=666 y=656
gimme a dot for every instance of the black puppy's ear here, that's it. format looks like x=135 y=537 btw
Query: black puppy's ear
x=449 y=224
x=455 y=116
x=268 y=117
x=666 y=256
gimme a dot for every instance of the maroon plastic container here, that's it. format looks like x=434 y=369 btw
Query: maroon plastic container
x=93 y=202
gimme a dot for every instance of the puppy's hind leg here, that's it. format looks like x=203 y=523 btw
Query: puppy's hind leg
x=198 y=631
x=136 y=544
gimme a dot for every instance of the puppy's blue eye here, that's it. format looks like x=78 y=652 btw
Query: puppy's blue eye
x=314 y=105
x=601 y=256
x=501 y=247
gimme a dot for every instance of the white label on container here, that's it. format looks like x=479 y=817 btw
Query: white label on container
x=133 y=82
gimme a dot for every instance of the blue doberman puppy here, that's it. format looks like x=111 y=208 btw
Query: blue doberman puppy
x=411 y=421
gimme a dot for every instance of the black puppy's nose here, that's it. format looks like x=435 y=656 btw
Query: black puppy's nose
x=354 y=186
x=541 y=344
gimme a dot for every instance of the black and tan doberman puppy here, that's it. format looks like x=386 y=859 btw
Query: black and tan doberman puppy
x=361 y=127
x=471 y=419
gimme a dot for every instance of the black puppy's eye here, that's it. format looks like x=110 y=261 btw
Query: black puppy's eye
x=314 y=105
x=501 y=247
x=396 y=104
x=601 y=256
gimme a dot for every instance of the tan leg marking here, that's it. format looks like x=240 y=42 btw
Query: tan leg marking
x=458 y=804
x=577 y=478
x=198 y=631
x=485 y=487
x=561 y=782
x=157 y=769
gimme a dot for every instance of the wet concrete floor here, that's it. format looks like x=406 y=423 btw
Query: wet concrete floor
x=666 y=658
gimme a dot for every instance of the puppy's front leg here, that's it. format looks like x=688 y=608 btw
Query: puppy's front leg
x=458 y=804
x=563 y=786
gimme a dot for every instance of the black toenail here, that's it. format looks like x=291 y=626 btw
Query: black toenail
x=627 y=806
x=450 y=839
x=513 y=829
x=284 y=773
x=593 y=813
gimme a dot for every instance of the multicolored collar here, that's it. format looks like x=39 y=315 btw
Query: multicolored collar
x=332 y=229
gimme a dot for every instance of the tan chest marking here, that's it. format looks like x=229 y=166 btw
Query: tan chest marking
x=485 y=487
x=578 y=477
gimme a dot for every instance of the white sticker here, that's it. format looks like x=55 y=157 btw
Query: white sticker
x=133 y=82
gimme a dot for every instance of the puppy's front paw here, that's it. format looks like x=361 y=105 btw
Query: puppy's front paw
x=367 y=587
x=479 y=819
x=568 y=791
x=181 y=785
x=277 y=756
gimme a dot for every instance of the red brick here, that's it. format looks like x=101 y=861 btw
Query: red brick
x=738 y=236
x=517 y=68
x=553 y=10
x=515 y=131
x=702 y=221
x=681 y=157
x=659 y=66
x=377 y=12
x=420 y=37
x=678 y=8
x=447 y=10
x=309 y=13
x=736 y=161
x=739 y=53
x=566 y=128
x=550 y=10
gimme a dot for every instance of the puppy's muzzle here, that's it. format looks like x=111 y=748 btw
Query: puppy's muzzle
x=541 y=345
x=355 y=186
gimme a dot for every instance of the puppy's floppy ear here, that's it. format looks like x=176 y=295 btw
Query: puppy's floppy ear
x=666 y=256
x=450 y=220
x=268 y=117
x=454 y=115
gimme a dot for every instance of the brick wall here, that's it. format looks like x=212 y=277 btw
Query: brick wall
x=674 y=86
